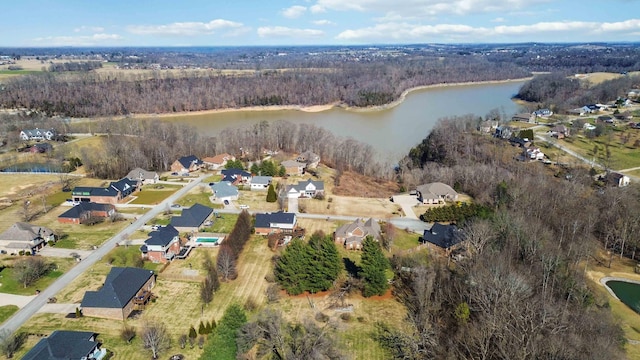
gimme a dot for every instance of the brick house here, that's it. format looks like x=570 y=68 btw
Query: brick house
x=64 y=344
x=112 y=194
x=162 y=245
x=278 y=222
x=191 y=218
x=84 y=211
x=124 y=290
x=351 y=235
x=186 y=164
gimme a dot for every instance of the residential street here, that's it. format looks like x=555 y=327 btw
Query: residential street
x=25 y=313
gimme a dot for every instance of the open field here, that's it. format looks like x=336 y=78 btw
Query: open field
x=256 y=200
x=154 y=194
x=343 y=205
x=11 y=286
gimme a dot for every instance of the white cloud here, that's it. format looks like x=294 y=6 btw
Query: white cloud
x=82 y=40
x=281 y=31
x=498 y=20
x=187 y=28
x=406 y=32
x=424 y=8
x=294 y=11
x=323 y=22
x=93 y=29
x=317 y=9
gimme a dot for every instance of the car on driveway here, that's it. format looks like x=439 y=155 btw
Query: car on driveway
x=226 y=202
x=176 y=206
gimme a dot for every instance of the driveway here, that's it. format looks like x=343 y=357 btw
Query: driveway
x=63 y=253
x=18 y=300
x=293 y=205
x=407 y=202
x=59 y=308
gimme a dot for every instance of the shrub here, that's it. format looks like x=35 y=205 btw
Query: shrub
x=345 y=317
x=127 y=333
x=322 y=317
x=273 y=293
x=251 y=304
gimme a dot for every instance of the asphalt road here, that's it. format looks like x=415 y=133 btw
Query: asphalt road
x=25 y=313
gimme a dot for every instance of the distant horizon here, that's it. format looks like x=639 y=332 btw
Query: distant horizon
x=195 y=23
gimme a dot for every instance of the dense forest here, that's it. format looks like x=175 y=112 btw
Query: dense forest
x=352 y=76
x=557 y=91
x=521 y=290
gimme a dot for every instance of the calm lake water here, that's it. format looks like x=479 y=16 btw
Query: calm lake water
x=392 y=132
x=628 y=293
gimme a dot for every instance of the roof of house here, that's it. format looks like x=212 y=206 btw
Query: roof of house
x=265 y=220
x=64 y=345
x=37 y=132
x=22 y=231
x=163 y=236
x=369 y=227
x=435 y=189
x=302 y=185
x=124 y=184
x=186 y=161
x=120 y=286
x=141 y=174
x=261 y=180
x=218 y=159
x=444 y=236
x=43 y=146
x=292 y=163
x=76 y=211
x=235 y=172
x=224 y=189
x=192 y=217
x=308 y=157
x=94 y=191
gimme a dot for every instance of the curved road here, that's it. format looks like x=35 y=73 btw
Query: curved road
x=24 y=314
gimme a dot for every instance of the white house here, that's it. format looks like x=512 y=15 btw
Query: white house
x=260 y=183
x=143 y=176
x=37 y=134
x=307 y=188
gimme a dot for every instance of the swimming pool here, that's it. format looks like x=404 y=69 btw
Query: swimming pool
x=208 y=240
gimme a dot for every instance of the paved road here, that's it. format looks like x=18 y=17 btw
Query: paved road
x=24 y=314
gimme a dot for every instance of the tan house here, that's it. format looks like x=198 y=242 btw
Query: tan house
x=25 y=237
x=436 y=193
x=143 y=176
x=186 y=164
x=218 y=161
x=293 y=167
x=125 y=289
x=351 y=235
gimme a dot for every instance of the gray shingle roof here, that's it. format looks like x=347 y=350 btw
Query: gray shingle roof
x=265 y=220
x=120 y=286
x=94 y=191
x=444 y=236
x=261 y=180
x=162 y=237
x=76 y=211
x=141 y=174
x=369 y=227
x=64 y=345
x=224 y=189
x=22 y=231
x=192 y=217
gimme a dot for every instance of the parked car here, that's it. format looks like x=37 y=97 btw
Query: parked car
x=226 y=202
x=244 y=206
x=176 y=206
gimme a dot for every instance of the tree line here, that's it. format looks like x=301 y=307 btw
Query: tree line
x=232 y=247
x=520 y=290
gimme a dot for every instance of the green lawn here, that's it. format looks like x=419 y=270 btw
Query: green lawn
x=223 y=224
x=128 y=256
x=152 y=196
x=200 y=198
x=11 y=286
x=404 y=240
x=212 y=179
x=87 y=236
x=58 y=198
x=623 y=156
x=6 y=312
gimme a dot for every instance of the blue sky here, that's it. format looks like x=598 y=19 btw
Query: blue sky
x=313 y=22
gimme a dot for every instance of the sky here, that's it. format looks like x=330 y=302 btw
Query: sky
x=44 y=23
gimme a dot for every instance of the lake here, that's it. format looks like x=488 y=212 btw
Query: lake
x=627 y=292
x=392 y=132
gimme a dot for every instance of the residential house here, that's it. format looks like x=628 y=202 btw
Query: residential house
x=218 y=161
x=351 y=235
x=311 y=160
x=533 y=153
x=594 y=108
x=112 y=194
x=488 y=126
x=524 y=117
x=85 y=211
x=143 y=176
x=224 y=190
x=293 y=167
x=261 y=182
x=278 y=222
x=504 y=132
x=545 y=113
x=125 y=186
x=617 y=179
x=436 y=193
x=588 y=126
x=560 y=131
x=25 y=237
x=124 y=290
x=307 y=188
x=41 y=148
x=236 y=176
x=191 y=218
x=67 y=345
x=162 y=245
x=186 y=164
x=443 y=236
x=605 y=119
x=38 y=134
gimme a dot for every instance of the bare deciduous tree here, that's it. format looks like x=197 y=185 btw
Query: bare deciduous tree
x=155 y=338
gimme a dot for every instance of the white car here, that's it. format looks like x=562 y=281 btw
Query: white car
x=244 y=206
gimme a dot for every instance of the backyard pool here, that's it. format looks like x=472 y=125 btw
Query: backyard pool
x=207 y=240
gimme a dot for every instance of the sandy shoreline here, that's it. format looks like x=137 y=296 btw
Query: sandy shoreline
x=326 y=107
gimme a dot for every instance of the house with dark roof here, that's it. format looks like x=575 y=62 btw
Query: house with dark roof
x=85 y=211
x=191 y=218
x=224 y=190
x=444 y=236
x=236 y=176
x=125 y=186
x=436 y=193
x=186 y=164
x=37 y=134
x=543 y=113
x=307 y=188
x=26 y=237
x=125 y=289
x=112 y=194
x=67 y=345
x=351 y=235
x=278 y=222
x=162 y=245
x=143 y=176
x=524 y=117
x=616 y=179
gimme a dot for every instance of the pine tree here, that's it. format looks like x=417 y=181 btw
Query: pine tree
x=255 y=169
x=290 y=270
x=202 y=329
x=192 y=333
x=271 y=194
x=324 y=266
x=373 y=265
x=282 y=171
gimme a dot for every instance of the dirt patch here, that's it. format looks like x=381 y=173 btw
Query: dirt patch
x=353 y=184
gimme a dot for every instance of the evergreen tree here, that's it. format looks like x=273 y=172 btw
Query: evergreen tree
x=255 y=169
x=373 y=266
x=290 y=270
x=324 y=266
x=201 y=328
x=271 y=194
x=282 y=171
x=192 y=333
x=268 y=168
